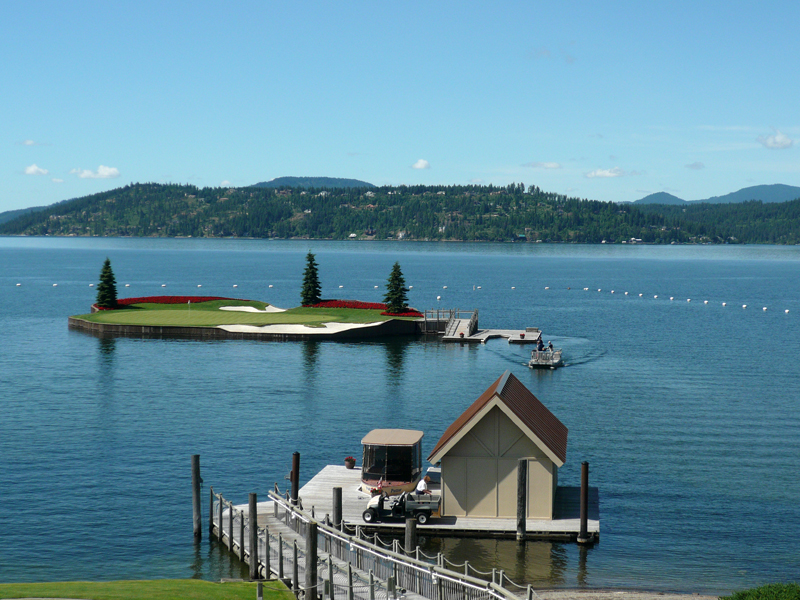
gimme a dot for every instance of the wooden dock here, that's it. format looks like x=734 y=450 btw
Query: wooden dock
x=318 y=493
x=481 y=336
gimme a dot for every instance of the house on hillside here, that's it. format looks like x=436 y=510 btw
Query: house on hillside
x=480 y=451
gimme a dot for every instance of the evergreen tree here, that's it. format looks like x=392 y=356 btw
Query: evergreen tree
x=107 y=288
x=395 y=298
x=310 y=294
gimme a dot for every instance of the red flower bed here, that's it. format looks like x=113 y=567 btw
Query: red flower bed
x=411 y=312
x=349 y=304
x=164 y=300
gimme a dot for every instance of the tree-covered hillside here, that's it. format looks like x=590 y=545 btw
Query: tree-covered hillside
x=470 y=213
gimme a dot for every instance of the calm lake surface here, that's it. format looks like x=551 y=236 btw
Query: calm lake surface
x=687 y=412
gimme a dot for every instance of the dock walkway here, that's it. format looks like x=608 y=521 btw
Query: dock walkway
x=317 y=493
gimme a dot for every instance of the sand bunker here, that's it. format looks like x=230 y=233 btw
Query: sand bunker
x=268 y=309
x=326 y=329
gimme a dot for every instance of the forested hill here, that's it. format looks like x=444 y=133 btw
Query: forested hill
x=469 y=213
x=314 y=182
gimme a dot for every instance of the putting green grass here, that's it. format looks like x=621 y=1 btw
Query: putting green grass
x=208 y=314
x=159 y=589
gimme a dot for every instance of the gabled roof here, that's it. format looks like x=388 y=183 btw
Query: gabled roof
x=508 y=392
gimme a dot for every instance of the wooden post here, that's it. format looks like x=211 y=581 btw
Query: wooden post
x=260 y=591
x=267 y=569
x=230 y=526
x=371 y=585
x=349 y=581
x=219 y=526
x=280 y=556
x=210 y=511
x=411 y=535
x=197 y=516
x=295 y=477
x=253 y=523
x=295 y=571
x=522 y=493
x=337 y=507
x=241 y=535
x=311 y=561
x=583 y=536
x=330 y=577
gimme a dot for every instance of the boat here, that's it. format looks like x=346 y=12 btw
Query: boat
x=546 y=359
x=392 y=461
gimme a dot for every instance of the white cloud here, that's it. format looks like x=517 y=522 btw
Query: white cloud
x=34 y=170
x=28 y=143
x=102 y=172
x=696 y=166
x=543 y=165
x=615 y=172
x=225 y=183
x=57 y=180
x=777 y=141
x=421 y=164
x=476 y=180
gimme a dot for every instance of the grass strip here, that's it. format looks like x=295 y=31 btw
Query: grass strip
x=158 y=589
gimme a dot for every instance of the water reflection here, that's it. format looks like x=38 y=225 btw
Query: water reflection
x=395 y=358
x=212 y=560
x=536 y=563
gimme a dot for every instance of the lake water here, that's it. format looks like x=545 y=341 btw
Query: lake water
x=687 y=412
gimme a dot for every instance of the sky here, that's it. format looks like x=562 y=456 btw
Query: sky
x=608 y=100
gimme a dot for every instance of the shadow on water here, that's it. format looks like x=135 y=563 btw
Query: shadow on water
x=213 y=561
x=538 y=563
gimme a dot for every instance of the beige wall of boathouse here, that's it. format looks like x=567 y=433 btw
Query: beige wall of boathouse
x=479 y=472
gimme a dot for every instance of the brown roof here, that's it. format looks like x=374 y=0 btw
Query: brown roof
x=528 y=409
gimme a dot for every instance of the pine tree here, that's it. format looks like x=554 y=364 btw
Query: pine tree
x=107 y=288
x=395 y=298
x=310 y=294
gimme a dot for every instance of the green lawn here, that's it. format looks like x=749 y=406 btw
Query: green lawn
x=160 y=589
x=208 y=314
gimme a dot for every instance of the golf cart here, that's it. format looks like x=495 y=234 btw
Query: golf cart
x=384 y=507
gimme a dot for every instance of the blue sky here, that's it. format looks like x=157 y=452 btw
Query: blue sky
x=603 y=100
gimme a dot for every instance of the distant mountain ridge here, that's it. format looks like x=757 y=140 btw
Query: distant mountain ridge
x=776 y=192
x=313 y=182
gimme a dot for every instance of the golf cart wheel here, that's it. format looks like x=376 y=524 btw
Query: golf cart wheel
x=370 y=516
x=422 y=518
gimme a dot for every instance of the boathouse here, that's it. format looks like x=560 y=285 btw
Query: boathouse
x=480 y=451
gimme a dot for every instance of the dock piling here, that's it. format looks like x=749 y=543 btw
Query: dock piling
x=411 y=535
x=583 y=536
x=522 y=492
x=295 y=477
x=253 y=523
x=295 y=571
x=311 y=561
x=337 y=507
x=197 y=517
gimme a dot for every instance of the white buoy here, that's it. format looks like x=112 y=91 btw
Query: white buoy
x=127 y=285
x=438 y=298
x=411 y=287
x=234 y=285
x=270 y=285
x=765 y=308
x=163 y=285
x=480 y=288
x=547 y=287
x=688 y=299
x=199 y=285
x=19 y=284
x=744 y=305
x=585 y=289
x=444 y=287
x=612 y=291
x=670 y=297
x=513 y=288
x=341 y=286
x=724 y=304
x=376 y=287
x=599 y=290
x=90 y=285
x=626 y=293
x=55 y=285
x=786 y=311
x=640 y=295
x=656 y=296
x=705 y=301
